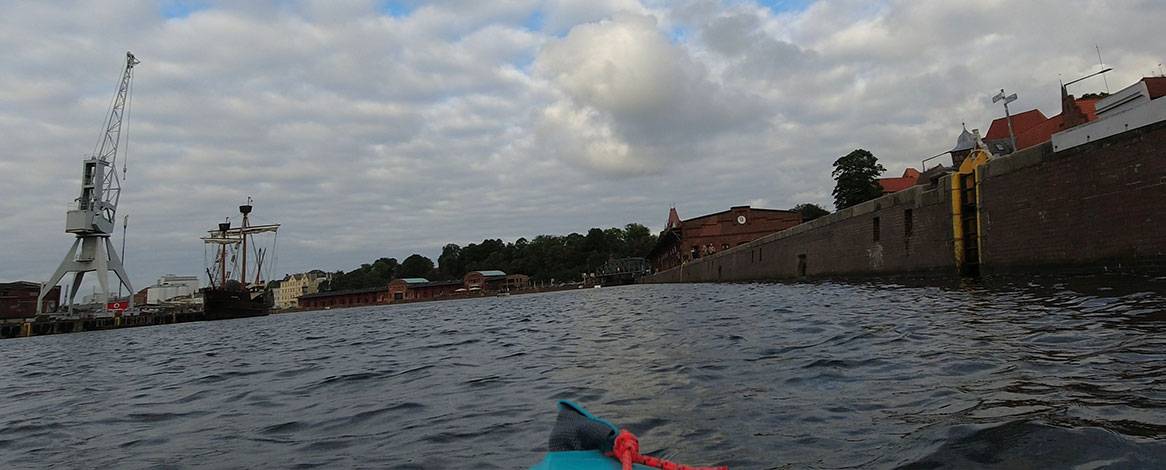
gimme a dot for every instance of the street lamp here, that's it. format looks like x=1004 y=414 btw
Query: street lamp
x=1007 y=99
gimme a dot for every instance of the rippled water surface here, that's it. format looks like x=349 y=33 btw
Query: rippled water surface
x=1051 y=373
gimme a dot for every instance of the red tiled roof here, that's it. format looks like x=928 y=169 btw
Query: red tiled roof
x=891 y=185
x=1044 y=131
x=1020 y=123
x=1039 y=133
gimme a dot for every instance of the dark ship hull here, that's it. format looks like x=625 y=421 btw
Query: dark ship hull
x=222 y=304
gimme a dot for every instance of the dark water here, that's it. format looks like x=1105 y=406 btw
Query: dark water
x=1057 y=373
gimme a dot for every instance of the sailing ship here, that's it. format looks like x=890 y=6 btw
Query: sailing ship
x=231 y=296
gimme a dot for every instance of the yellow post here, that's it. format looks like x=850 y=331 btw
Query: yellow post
x=957 y=226
x=26 y=329
x=970 y=166
x=979 y=228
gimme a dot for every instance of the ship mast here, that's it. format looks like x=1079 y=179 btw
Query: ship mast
x=238 y=237
x=93 y=219
x=244 y=209
x=223 y=227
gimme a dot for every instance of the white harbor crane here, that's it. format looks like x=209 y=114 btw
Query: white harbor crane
x=92 y=220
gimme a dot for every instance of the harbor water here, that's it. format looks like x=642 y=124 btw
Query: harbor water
x=1034 y=373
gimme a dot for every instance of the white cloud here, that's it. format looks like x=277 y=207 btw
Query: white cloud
x=560 y=16
x=370 y=135
x=629 y=101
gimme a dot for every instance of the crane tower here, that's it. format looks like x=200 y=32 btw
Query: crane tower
x=92 y=220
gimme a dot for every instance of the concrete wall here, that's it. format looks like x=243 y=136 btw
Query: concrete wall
x=1097 y=207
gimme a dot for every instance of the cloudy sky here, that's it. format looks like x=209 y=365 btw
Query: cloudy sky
x=384 y=128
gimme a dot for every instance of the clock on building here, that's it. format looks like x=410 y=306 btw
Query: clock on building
x=740 y=219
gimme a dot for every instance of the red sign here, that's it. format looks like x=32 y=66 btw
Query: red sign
x=118 y=306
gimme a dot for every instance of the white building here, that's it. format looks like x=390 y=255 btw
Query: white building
x=295 y=285
x=171 y=286
x=1137 y=105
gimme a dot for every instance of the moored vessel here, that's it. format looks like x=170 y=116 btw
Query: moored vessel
x=233 y=291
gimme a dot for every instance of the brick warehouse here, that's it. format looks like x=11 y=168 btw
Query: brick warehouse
x=474 y=283
x=18 y=299
x=684 y=241
x=1095 y=207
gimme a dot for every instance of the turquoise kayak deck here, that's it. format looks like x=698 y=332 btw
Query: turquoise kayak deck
x=581 y=460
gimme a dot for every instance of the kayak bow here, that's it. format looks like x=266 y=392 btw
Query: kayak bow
x=580 y=441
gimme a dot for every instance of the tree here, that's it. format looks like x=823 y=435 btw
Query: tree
x=416 y=266
x=639 y=241
x=810 y=211
x=450 y=262
x=545 y=257
x=857 y=175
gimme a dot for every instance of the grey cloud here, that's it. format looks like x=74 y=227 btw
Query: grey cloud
x=372 y=136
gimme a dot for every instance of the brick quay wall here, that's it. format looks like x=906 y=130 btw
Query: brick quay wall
x=1099 y=207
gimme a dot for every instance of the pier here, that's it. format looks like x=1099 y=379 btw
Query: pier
x=44 y=325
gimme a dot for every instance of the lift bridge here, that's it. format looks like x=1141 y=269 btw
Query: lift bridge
x=622 y=271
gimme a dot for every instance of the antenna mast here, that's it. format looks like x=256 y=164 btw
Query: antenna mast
x=93 y=219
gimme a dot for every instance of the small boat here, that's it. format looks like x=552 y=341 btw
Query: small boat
x=230 y=297
x=580 y=441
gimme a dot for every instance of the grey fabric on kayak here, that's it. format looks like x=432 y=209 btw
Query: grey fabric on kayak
x=574 y=430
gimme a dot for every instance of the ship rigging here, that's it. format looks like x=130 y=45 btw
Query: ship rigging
x=230 y=295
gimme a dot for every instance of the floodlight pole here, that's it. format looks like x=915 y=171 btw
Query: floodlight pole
x=125 y=223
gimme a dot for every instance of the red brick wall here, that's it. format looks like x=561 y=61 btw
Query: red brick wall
x=1094 y=208
x=843 y=244
x=342 y=299
x=712 y=232
x=1100 y=205
x=723 y=228
x=19 y=301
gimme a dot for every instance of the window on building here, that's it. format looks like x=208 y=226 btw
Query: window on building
x=724 y=246
x=875 y=228
x=908 y=222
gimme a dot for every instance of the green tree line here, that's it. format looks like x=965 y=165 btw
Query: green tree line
x=564 y=257
x=543 y=258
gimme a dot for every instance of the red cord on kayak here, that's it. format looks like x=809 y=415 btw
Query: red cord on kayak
x=627 y=450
